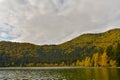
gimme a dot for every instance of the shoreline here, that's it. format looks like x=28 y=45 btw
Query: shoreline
x=62 y=67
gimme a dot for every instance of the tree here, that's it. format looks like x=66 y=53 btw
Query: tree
x=95 y=59
x=87 y=62
x=62 y=63
x=82 y=63
x=109 y=51
x=117 y=54
x=113 y=63
x=78 y=63
x=104 y=59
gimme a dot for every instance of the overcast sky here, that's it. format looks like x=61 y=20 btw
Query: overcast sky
x=55 y=21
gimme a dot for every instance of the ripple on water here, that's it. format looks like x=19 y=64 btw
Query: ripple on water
x=30 y=75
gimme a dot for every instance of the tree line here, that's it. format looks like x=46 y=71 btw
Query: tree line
x=25 y=54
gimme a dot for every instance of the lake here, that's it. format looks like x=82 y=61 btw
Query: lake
x=59 y=73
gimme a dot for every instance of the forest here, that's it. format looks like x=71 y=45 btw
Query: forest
x=90 y=50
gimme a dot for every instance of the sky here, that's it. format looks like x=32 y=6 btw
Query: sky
x=55 y=21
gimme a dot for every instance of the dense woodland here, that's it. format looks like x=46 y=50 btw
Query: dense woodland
x=95 y=50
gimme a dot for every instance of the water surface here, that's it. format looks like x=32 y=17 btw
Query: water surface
x=59 y=73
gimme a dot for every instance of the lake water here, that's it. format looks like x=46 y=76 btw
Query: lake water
x=59 y=73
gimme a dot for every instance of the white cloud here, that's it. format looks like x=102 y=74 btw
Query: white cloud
x=1 y=0
x=56 y=21
x=2 y=34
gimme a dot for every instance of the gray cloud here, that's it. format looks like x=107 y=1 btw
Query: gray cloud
x=55 y=21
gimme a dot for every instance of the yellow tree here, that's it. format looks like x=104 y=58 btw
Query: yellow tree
x=113 y=63
x=95 y=59
x=82 y=63
x=62 y=63
x=30 y=64
x=78 y=63
x=104 y=60
x=87 y=62
x=73 y=64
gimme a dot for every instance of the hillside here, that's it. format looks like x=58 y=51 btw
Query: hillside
x=99 y=40
x=78 y=50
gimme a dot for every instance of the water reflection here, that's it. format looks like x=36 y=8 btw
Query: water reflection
x=92 y=74
x=61 y=74
x=106 y=74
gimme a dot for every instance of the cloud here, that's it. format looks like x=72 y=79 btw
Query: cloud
x=55 y=21
x=1 y=0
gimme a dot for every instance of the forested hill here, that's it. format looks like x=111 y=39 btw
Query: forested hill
x=98 y=49
x=99 y=40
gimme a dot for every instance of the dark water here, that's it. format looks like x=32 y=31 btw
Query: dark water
x=60 y=73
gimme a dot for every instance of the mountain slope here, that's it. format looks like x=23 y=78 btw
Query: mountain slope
x=107 y=38
x=99 y=40
x=86 y=45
